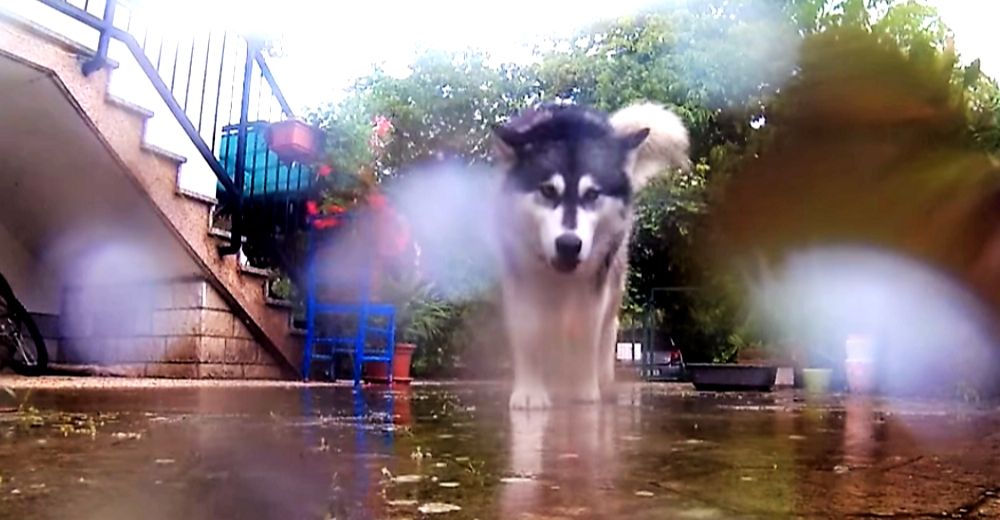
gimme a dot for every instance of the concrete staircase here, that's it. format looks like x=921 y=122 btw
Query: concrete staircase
x=122 y=126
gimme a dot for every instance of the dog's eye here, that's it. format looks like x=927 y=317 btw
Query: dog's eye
x=549 y=191
x=591 y=195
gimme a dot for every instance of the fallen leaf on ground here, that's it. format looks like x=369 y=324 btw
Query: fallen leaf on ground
x=402 y=503
x=407 y=479
x=644 y=494
x=433 y=508
x=516 y=480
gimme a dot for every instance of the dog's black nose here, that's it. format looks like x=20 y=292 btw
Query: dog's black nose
x=568 y=247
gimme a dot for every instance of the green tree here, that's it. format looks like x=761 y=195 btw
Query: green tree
x=723 y=65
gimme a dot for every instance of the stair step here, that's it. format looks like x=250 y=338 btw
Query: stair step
x=223 y=234
x=278 y=303
x=83 y=53
x=171 y=156
x=200 y=197
x=293 y=329
x=255 y=271
x=129 y=106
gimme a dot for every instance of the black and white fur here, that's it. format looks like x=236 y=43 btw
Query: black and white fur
x=570 y=175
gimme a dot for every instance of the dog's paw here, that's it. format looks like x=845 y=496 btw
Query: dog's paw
x=529 y=399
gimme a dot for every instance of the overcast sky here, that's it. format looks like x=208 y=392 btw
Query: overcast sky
x=334 y=42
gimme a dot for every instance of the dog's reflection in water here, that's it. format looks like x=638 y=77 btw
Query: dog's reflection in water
x=562 y=461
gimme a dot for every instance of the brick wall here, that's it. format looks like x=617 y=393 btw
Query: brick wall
x=176 y=329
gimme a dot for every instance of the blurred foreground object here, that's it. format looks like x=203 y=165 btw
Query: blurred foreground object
x=875 y=150
x=868 y=147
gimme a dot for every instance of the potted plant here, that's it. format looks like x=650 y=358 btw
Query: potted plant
x=421 y=319
x=294 y=140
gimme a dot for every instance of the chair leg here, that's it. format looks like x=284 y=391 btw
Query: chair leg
x=359 y=344
x=391 y=345
x=356 y=361
x=307 y=352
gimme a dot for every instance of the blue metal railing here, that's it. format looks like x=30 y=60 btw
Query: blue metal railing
x=214 y=84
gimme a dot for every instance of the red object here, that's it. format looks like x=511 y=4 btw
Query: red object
x=324 y=170
x=326 y=222
x=377 y=201
x=401 y=410
x=378 y=372
x=382 y=126
x=294 y=140
x=312 y=208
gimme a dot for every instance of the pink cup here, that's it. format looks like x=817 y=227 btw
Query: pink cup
x=860 y=376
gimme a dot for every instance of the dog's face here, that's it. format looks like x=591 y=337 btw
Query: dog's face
x=566 y=171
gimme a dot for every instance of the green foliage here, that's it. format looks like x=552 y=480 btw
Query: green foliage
x=723 y=65
x=445 y=107
x=420 y=313
x=427 y=320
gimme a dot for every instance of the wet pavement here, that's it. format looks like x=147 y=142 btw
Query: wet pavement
x=454 y=451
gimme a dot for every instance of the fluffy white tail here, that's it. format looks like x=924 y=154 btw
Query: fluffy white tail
x=666 y=147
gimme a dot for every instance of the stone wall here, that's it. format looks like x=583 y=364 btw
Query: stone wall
x=176 y=329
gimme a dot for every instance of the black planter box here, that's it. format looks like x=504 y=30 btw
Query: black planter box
x=722 y=378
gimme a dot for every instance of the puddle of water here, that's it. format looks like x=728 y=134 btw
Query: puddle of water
x=329 y=453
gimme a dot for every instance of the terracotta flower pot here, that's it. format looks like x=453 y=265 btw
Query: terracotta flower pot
x=378 y=372
x=294 y=140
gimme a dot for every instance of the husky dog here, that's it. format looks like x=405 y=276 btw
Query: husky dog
x=569 y=177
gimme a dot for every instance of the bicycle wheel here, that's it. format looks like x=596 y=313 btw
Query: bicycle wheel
x=20 y=336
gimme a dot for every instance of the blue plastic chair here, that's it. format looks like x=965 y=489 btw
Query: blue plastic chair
x=362 y=311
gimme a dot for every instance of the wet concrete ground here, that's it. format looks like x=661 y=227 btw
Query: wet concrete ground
x=663 y=451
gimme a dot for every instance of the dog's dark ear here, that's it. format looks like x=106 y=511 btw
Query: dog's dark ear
x=509 y=136
x=632 y=140
x=506 y=142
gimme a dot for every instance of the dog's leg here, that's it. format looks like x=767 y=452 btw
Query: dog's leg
x=609 y=336
x=529 y=391
x=588 y=387
x=606 y=351
x=526 y=336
